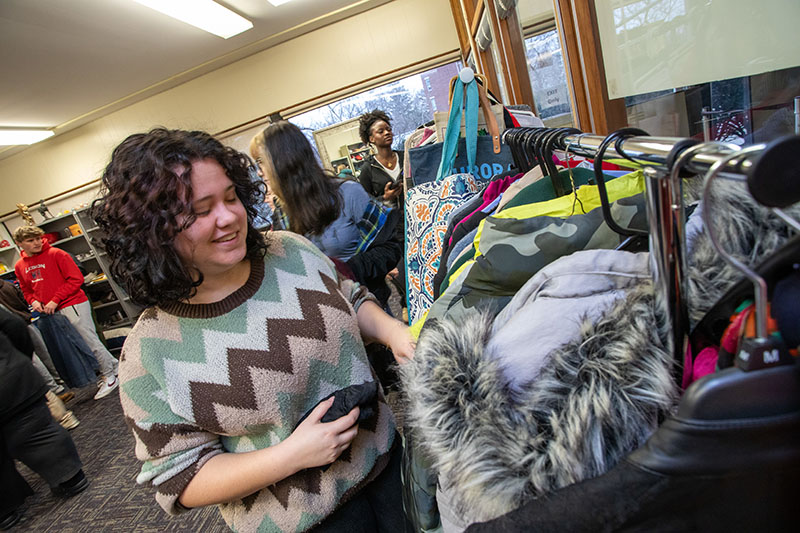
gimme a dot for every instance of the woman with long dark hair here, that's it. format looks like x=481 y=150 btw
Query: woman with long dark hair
x=336 y=215
x=245 y=381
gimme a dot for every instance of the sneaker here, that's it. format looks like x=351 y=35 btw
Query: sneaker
x=69 y=421
x=74 y=485
x=108 y=385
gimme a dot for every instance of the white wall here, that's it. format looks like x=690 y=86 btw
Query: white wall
x=388 y=37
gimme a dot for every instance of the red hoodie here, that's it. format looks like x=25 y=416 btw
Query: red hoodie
x=51 y=275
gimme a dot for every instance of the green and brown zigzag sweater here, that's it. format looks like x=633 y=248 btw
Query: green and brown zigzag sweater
x=236 y=375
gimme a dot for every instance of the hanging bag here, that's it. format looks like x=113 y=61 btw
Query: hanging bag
x=482 y=156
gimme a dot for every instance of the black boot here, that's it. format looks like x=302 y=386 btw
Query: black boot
x=74 y=485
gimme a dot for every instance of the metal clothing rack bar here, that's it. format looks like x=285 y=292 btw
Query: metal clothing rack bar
x=652 y=151
x=665 y=209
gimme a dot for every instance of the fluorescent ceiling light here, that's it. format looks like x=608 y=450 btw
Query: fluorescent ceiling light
x=277 y=3
x=11 y=137
x=204 y=14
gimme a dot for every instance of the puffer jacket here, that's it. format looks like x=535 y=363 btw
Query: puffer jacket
x=595 y=398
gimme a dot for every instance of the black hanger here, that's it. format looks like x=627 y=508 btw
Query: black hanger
x=616 y=138
x=507 y=138
x=770 y=390
x=551 y=142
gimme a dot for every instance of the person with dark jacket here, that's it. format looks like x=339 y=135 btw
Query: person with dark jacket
x=382 y=172
x=336 y=215
x=13 y=300
x=382 y=177
x=28 y=432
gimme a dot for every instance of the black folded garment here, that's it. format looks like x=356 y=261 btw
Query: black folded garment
x=364 y=395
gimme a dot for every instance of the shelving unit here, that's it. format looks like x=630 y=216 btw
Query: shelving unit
x=119 y=311
x=357 y=154
x=9 y=253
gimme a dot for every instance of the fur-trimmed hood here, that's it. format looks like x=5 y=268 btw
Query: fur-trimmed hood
x=599 y=398
x=745 y=229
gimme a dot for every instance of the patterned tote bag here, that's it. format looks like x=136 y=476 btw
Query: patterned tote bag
x=428 y=207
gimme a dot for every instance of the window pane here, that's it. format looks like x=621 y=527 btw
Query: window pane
x=750 y=109
x=548 y=78
x=410 y=102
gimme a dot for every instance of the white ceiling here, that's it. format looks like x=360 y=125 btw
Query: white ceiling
x=64 y=63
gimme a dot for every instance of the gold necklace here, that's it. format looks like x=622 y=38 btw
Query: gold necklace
x=390 y=165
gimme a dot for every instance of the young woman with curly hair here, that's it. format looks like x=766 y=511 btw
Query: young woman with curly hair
x=245 y=381
x=384 y=169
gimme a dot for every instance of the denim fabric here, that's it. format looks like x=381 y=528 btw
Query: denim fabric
x=73 y=359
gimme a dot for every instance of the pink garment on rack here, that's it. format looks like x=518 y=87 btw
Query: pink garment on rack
x=695 y=368
x=428 y=133
x=492 y=191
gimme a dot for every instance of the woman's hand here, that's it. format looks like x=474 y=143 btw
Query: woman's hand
x=317 y=443
x=376 y=325
x=401 y=343
x=390 y=193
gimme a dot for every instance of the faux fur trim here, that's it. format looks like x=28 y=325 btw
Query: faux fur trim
x=599 y=398
x=744 y=229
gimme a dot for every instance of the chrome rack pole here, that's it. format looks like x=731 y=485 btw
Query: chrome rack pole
x=665 y=217
x=797 y=115
x=653 y=151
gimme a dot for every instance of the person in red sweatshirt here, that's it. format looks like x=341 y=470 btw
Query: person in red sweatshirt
x=51 y=282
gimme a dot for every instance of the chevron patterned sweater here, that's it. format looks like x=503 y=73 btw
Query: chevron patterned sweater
x=237 y=375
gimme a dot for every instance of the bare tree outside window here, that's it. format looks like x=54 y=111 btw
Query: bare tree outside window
x=409 y=102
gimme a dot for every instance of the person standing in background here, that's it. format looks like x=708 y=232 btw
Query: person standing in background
x=382 y=177
x=336 y=214
x=382 y=173
x=51 y=282
x=28 y=432
x=13 y=300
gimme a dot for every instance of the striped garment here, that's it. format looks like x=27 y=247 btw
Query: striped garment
x=237 y=375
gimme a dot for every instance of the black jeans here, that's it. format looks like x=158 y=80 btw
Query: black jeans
x=35 y=439
x=378 y=507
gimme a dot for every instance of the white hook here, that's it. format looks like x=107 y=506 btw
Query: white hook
x=466 y=75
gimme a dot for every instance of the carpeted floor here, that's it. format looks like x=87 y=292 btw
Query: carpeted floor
x=113 y=501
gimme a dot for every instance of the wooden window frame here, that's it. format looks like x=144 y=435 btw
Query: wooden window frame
x=576 y=22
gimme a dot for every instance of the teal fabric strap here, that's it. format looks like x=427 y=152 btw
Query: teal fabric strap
x=471 y=125
x=450 y=141
x=450 y=148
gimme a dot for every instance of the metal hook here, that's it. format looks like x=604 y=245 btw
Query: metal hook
x=759 y=284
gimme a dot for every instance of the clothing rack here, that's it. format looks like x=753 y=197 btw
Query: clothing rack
x=665 y=206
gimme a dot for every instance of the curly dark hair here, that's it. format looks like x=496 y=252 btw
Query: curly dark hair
x=366 y=121
x=308 y=193
x=145 y=194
